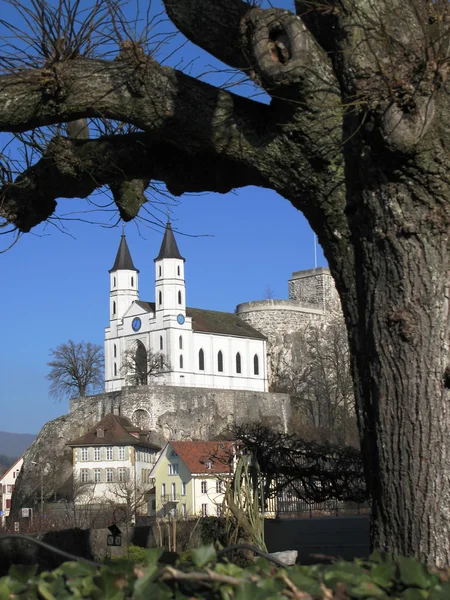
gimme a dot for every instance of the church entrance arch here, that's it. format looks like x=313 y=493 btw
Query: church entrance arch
x=140 y=362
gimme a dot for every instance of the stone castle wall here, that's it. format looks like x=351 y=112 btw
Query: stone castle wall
x=186 y=413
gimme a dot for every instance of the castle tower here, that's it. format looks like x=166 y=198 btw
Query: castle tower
x=124 y=288
x=170 y=287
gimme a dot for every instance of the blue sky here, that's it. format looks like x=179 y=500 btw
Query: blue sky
x=54 y=285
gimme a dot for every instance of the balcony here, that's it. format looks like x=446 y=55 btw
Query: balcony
x=170 y=498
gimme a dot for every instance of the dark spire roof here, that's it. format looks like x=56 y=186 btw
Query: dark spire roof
x=169 y=248
x=123 y=257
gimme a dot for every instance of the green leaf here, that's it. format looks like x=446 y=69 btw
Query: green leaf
x=440 y=592
x=22 y=572
x=249 y=591
x=305 y=583
x=413 y=573
x=383 y=574
x=203 y=555
x=368 y=589
x=145 y=583
x=45 y=590
x=414 y=594
x=153 y=555
x=154 y=591
x=346 y=573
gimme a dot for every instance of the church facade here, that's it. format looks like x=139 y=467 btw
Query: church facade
x=165 y=342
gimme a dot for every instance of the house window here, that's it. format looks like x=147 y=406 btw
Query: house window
x=203 y=487
x=208 y=464
x=219 y=486
x=256 y=365
x=84 y=475
x=84 y=453
x=100 y=433
x=132 y=282
x=179 y=297
x=160 y=298
x=96 y=453
x=115 y=369
x=121 y=473
x=183 y=488
x=109 y=453
x=173 y=468
x=97 y=475
x=109 y=475
x=174 y=491
x=218 y=510
x=180 y=342
x=220 y=361
x=201 y=360
x=114 y=308
x=121 y=453
x=115 y=351
x=181 y=361
x=238 y=363
x=163 y=489
x=9 y=489
x=8 y=503
x=161 y=344
x=183 y=510
x=204 y=510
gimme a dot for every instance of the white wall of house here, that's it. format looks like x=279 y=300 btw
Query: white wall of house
x=7 y=482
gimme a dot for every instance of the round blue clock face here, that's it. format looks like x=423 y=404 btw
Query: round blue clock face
x=180 y=319
x=136 y=324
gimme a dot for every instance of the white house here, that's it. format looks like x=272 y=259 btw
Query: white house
x=202 y=348
x=112 y=464
x=189 y=478
x=8 y=481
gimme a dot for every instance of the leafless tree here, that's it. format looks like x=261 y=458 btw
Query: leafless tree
x=131 y=495
x=355 y=135
x=75 y=369
x=313 y=365
x=140 y=365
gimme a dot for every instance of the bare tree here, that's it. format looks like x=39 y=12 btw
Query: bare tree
x=131 y=494
x=313 y=365
x=140 y=365
x=75 y=369
x=355 y=135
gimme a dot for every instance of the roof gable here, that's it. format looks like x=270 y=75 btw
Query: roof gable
x=115 y=430
x=197 y=455
x=212 y=321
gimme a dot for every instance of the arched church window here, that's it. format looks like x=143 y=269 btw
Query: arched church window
x=181 y=361
x=114 y=282
x=256 y=365
x=201 y=360
x=115 y=369
x=160 y=298
x=114 y=308
x=180 y=341
x=132 y=282
x=238 y=363
x=220 y=361
x=161 y=344
x=159 y=271
x=115 y=351
x=161 y=361
x=178 y=269
x=179 y=297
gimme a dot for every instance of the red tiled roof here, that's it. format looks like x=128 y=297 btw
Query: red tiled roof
x=196 y=454
x=116 y=431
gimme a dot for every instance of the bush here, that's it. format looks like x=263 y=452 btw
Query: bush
x=381 y=577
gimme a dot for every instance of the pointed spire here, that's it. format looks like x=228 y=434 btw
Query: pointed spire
x=123 y=257
x=169 y=248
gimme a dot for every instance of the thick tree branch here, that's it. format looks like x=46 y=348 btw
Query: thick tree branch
x=76 y=168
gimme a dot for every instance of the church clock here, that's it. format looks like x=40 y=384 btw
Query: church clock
x=136 y=324
x=180 y=319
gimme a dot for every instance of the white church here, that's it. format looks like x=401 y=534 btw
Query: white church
x=167 y=343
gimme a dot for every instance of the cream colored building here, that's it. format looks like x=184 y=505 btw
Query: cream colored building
x=7 y=482
x=112 y=463
x=189 y=478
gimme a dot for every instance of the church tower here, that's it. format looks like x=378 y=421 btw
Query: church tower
x=170 y=288
x=124 y=289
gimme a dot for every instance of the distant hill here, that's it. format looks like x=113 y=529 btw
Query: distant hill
x=14 y=444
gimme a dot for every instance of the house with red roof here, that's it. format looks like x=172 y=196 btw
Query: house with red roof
x=189 y=478
x=7 y=483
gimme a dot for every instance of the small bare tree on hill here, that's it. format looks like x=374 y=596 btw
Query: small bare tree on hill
x=75 y=369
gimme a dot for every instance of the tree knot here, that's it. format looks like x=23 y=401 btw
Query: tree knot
x=405 y=323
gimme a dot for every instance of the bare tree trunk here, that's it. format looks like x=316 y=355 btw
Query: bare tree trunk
x=398 y=326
